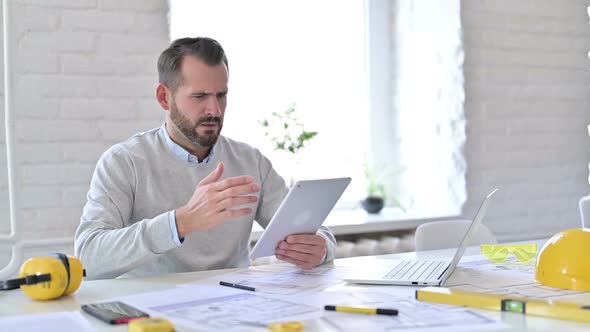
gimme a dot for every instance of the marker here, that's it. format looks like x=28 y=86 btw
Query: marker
x=357 y=310
x=521 y=305
x=231 y=284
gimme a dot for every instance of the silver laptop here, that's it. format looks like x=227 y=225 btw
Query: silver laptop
x=425 y=273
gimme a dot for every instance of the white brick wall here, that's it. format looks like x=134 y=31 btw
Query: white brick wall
x=526 y=82
x=85 y=73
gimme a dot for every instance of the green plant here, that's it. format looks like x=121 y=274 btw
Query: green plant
x=286 y=132
x=375 y=187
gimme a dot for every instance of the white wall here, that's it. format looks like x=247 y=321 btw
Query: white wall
x=526 y=84
x=85 y=74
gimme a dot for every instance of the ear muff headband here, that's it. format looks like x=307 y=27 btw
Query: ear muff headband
x=64 y=259
x=77 y=272
x=28 y=280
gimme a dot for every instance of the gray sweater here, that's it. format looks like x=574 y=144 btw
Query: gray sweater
x=137 y=184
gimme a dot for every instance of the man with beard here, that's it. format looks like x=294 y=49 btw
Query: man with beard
x=181 y=197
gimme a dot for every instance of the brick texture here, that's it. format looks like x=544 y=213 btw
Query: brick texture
x=526 y=89
x=83 y=71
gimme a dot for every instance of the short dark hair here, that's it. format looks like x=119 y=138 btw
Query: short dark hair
x=206 y=49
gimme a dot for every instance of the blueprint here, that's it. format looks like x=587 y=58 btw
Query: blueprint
x=217 y=308
x=284 y=292
x=280 y=279
x=507 y=278
x=413 y=316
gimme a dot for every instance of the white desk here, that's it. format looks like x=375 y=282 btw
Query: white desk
x=15 y=302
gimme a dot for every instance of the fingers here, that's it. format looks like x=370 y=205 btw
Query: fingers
x=312 y=239
x=215 y=200
x=239 y=190
x=235 y=213
x=235 y=201
x=213 y=176
x=233 y=182
x=314 y=257
x=235 y=196
x=304 y=248
x=229 y=192
x=302 y=264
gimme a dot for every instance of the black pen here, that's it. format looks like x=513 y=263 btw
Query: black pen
x=231 y=284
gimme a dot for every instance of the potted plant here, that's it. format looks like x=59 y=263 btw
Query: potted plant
x=287 y=134
x=376 y=194
x=375 y=200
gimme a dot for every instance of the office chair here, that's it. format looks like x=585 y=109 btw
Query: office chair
x=448 y=234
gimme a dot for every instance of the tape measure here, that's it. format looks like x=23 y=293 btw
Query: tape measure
x=151 y=325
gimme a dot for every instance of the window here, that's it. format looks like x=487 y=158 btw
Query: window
x=381 y=81
x=311 y=53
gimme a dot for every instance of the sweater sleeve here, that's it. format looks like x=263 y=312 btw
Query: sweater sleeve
x=273 y=191
x=106 y=241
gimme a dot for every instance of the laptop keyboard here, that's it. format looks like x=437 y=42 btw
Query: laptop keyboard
x=415 y=270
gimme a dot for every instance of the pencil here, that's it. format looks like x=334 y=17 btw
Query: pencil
x=359 y=310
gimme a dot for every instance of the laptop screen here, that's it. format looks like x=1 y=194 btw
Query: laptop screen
x=468 y=235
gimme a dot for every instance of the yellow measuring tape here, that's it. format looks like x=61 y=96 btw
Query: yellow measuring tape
x=150 y=325
x=499 y=252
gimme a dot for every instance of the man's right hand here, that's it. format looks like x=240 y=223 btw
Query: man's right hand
x=212 y=202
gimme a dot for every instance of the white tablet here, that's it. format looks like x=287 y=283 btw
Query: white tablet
x=303 y=211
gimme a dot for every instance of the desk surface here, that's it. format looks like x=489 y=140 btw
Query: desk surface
x=15 y=302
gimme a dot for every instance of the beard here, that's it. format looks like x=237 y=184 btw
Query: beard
x=189 y=129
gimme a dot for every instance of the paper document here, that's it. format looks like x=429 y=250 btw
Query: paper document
x=281 y=279
x=55 y=321
x=413 y=315
x=285 y=293
x=325 y=271
x=510 y=278
x=218 y=308
x=508 y=266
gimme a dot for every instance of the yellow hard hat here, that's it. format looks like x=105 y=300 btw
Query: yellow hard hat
x=563 y=263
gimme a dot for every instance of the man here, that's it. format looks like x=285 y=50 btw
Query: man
x=181 y=197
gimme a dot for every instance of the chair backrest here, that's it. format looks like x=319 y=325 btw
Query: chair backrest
x=448 y=234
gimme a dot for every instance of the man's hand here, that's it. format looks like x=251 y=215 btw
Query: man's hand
x=213 y=200
x=304 y=250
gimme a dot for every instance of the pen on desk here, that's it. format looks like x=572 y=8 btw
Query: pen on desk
x=231 y=284
x=357 y=310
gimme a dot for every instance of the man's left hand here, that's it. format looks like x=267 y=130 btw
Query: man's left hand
x=304 y=250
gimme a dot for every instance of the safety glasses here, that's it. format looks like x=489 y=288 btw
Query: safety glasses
x=499 y=252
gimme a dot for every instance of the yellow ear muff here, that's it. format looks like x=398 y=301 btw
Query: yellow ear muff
x=48 y=277
x=44 y=290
